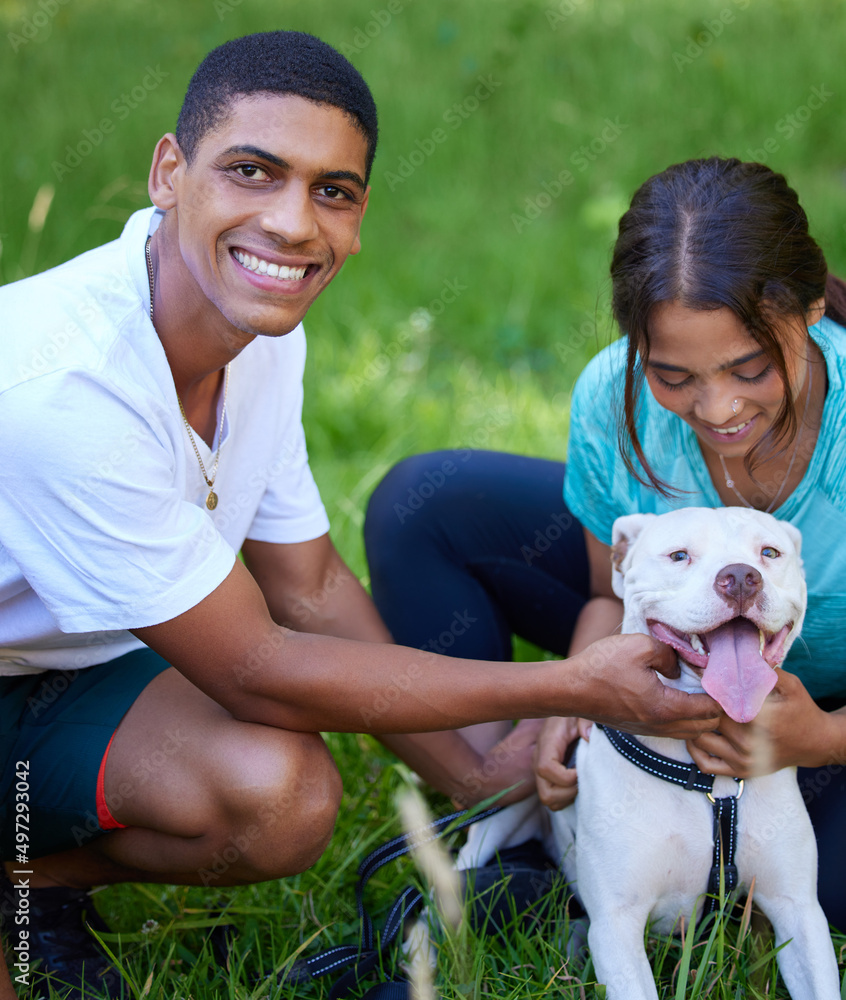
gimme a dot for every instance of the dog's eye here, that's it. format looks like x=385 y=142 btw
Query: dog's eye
x=680 y=555
x=768 y=552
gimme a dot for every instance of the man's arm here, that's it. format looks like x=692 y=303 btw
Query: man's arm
x=308 y=587
x=229 y=646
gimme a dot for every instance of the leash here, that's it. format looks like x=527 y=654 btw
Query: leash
x=689 y=777
x=362 y=959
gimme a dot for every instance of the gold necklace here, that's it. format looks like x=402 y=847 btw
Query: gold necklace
x=774 y=501
x=211 y=499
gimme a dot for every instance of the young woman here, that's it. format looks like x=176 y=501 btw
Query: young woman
x=728 y=387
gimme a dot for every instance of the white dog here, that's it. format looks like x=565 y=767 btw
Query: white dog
x=725 y=588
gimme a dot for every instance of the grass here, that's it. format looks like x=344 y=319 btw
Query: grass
x=734 y=957
x=599 y=88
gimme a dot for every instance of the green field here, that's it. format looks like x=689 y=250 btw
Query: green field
x=513 y=133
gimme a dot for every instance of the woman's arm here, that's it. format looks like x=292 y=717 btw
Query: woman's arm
x=467 y=773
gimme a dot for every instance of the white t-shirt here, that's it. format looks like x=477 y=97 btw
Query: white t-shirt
x=103 y=523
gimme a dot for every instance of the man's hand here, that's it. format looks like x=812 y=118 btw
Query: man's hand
x=619 y=688
x=790 y=730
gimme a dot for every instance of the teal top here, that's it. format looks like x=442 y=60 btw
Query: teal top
x=598 y=488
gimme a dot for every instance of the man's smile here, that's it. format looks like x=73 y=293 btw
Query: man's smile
x=261 y=266
x=273 y=276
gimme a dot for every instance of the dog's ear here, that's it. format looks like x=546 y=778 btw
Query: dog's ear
x=624 y=533
x=794 y=534
x=743 y=514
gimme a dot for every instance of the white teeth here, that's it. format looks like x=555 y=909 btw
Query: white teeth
x=278 y=271
x=291 y=273
x=732 y=430
x=696 y=643
x=761 y=642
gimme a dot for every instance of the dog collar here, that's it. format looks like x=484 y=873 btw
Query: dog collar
x=689 y=777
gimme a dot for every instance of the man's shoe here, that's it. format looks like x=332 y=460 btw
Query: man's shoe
x=65 y=955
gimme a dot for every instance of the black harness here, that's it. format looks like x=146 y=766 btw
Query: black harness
x=693 y=780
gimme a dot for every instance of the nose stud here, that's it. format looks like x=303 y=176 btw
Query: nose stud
x=734 y=403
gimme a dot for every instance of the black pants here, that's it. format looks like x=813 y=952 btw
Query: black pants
x=468 y=548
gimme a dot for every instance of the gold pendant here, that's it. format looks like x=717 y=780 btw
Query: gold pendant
x=211 y=500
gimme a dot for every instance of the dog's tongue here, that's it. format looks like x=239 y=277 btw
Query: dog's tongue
x=737 y=676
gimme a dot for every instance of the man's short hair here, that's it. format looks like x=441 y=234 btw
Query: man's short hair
x=274 y=62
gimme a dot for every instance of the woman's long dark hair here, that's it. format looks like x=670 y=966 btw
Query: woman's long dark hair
x=710 y=234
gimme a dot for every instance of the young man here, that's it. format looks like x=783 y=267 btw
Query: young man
x=150 y=404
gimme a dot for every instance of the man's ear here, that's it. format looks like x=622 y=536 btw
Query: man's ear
x=356 y=247
x=624 y=533
x=168 y=161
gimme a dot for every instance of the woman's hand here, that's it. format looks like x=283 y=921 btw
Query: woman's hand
x=557 y=784
x=507 y=763
x=790 y=730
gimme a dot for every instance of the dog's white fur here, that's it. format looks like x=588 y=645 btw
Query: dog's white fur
x=637 y=848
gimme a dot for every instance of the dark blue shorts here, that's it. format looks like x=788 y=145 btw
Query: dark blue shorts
x=55 y=730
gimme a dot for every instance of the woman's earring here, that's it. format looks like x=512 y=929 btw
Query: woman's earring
x=734 y=406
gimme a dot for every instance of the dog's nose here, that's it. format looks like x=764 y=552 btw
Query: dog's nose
x=738 y=584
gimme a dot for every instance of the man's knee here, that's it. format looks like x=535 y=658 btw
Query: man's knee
x=287 y=816
x=316 y=798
